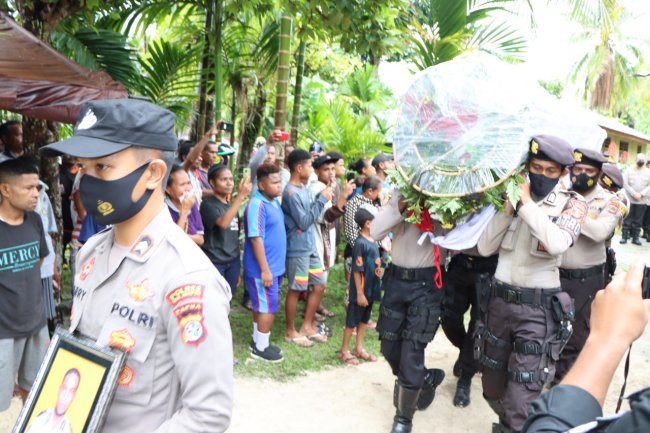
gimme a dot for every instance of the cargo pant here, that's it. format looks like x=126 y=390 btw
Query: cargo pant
x=408 y=320
x=465 y=275
x=517 y=345
x=582 y=291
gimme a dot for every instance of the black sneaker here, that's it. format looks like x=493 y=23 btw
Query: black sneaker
x=272 y=347
x=268 y=355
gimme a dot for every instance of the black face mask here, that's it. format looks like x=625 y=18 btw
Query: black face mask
x=583 y=182
x=109 y=201
x=640 y=163
x=541 y=185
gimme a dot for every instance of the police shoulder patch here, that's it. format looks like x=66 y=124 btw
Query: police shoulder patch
x=186 y=291
x=190 y=319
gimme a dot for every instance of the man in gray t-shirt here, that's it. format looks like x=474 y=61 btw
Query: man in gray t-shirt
x=23 y=334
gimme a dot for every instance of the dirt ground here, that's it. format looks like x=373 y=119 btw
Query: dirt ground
x=359 y=398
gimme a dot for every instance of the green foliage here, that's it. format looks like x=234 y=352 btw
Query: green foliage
x=170 y=76
x=444 y=29
x=101 y=50
x=451 y=211
x=554 y=87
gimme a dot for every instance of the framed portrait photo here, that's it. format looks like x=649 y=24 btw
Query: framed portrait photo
x=73 y=388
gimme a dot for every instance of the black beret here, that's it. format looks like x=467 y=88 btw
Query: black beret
x=551 y=148
x=589 y=157
x=612 y=176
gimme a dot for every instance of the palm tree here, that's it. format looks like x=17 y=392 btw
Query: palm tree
x=444 y=29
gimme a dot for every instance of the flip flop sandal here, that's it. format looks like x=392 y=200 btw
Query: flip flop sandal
x=347 y=358
x=325 y=330
x=301 y=341
x=318 y=338
x=325 y=312
x=366 y=356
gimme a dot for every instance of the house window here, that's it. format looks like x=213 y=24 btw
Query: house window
x=639 y=148
x=624 y=146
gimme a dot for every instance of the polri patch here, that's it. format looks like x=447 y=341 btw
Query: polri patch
x=126 y=376
x=87 y=268
x=186 y=291
x=190 y=319
x=122 y=340
x=139 y=292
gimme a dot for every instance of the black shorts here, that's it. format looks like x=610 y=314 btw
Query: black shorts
x=357 y=314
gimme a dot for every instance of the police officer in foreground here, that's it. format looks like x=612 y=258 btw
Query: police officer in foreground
x=410 y=311
x=467 y=273
x=528 y=316
x=619 y=316
x=143 y=286
x=583 y=268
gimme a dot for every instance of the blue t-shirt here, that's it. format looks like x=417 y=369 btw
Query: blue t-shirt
x=365 y=258
x=264 y=218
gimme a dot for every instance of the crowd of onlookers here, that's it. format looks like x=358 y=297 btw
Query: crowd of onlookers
x=259 y=226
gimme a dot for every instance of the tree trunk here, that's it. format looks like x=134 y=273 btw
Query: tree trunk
x=41 y=17
x=284 y=63
x=297 y=93
x=218 y=66
x=200 y=124
x=252 y=125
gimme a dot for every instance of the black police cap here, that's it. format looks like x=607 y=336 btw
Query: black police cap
x=612 y=176
x=110 y=126
x=589 y=157
x=551 y=148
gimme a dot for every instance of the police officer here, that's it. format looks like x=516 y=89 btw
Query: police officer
x=410 y=311
x=528 y=316
x=466 y=274
x=612 y=181
x=583 y=268
x=636 y=181
x=143 y=286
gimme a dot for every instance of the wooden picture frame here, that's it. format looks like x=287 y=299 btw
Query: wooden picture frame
x=73 y=388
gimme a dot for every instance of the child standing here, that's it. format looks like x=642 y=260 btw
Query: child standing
x=364 y=289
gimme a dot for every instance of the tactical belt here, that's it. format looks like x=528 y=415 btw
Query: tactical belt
x=522 y=295
x=411 y=274
x=478 y=264
x=579 y=274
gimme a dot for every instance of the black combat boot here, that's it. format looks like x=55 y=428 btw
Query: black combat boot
x=461 y=398
x=625 y=236
x=432 y=379
x=406 y=403
x=635 y=237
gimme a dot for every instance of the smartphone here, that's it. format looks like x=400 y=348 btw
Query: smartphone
x=350 y=175
x=645 y=284
x=247 y=173
x=227 y=127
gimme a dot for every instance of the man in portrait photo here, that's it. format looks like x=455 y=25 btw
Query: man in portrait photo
x=54 y=420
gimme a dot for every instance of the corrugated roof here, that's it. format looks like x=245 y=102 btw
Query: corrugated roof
x=616 y=126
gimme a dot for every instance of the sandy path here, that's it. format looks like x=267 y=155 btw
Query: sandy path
x=359 y=399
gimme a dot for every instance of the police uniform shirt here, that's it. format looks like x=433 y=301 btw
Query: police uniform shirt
x=637 y=180
x=603 y=213
x=405 y=251
x=165 y=304
x=43 y=424
x=531 y=244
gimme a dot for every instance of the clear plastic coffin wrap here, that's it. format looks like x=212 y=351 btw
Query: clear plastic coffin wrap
x=464 y=125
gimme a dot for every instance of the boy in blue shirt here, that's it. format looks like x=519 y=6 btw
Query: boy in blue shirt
x=303 y=265
x=364 y=289
x=265 y=249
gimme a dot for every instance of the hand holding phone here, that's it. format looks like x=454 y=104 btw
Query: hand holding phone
x=246 y=174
